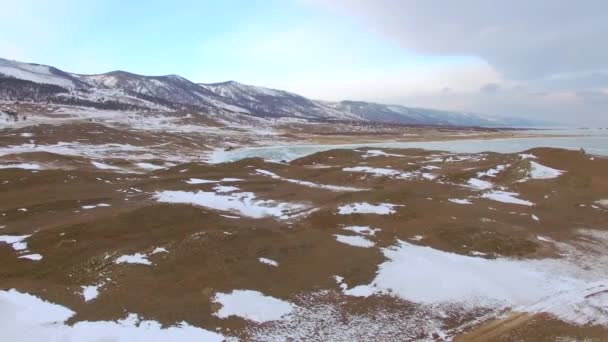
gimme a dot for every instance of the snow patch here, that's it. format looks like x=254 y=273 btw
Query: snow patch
x=366 y=208
x=252 y=305
x=506 y=197
x=243 y=203
x=27 y=318
x=363 y=230
x=136 y=258
x=356 y=241
x=460 y=201
x=268 y=262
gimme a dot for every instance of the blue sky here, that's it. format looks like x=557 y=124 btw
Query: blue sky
x=502 y=59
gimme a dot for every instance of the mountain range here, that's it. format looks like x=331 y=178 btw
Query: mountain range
x=121 y=90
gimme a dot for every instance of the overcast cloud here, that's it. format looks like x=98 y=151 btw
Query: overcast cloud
x=551 y=56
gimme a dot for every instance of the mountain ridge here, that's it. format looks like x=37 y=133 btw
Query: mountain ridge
x=123 y=90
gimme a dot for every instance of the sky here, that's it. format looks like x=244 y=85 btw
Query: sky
x=542 y=59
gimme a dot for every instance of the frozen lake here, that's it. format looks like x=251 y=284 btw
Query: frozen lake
x=594 y=141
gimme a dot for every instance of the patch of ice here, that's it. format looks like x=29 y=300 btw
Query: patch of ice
x=244 y=203
x=25 y=166
x=379 y=172
x=17 y=242
x=429 y=276
x=378 y=153
x=149 y=166
x=90 y=292
x=460 y=201
x=336 y=188
x=268 y=262
x=366 y=208
x=34 y=257
x=417 y=238
x=136 y=258
x=544 y=239
x=506 y=197
x=93 y=206
x=479 y=184
x=200 y=181
x=535 y=218
x=228 y=179
x=104 y=166
x=27 y=318
x=252 y=305
x=539 y=171
x=225 y=188
x=206 y=181
x=159 y=250
x=356 y=241
x=492 y=172
x=527 y=156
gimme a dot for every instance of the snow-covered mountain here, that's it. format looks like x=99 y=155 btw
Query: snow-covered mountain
x=122 y=90
x=263 y=101
x=421 y=116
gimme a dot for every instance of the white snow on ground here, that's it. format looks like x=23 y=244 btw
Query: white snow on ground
x=460 y=201
x=492 y=172
x=93 y=206
x=243 y=203
x=268 y=262
x=136 y=258
x=603 y=203
x=479 y=184
x=90 y=292
x=377 y=153
x=506 y=197
x=357 y=241
x=429 y=276
x=159 y=250
x=527 y=156
x=103 y=166
x=33 y=72
x=149 y=166
x=17 y=242
x=206 y=181
x=417 y=238
x=26 y=318
x=379 y=171
x=95 y=151
x=25 y=166
x=34 y=257
x=366 y=208
x=336 y=188
x=225 y=188
x=544 y=239
x=363 y=230
x=199 y=181
x=582 y=306
x=535 y=218
x=538 y=171
x=252 y=305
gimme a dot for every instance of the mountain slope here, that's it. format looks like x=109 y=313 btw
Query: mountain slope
x=121 y=90
x=263 y=101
